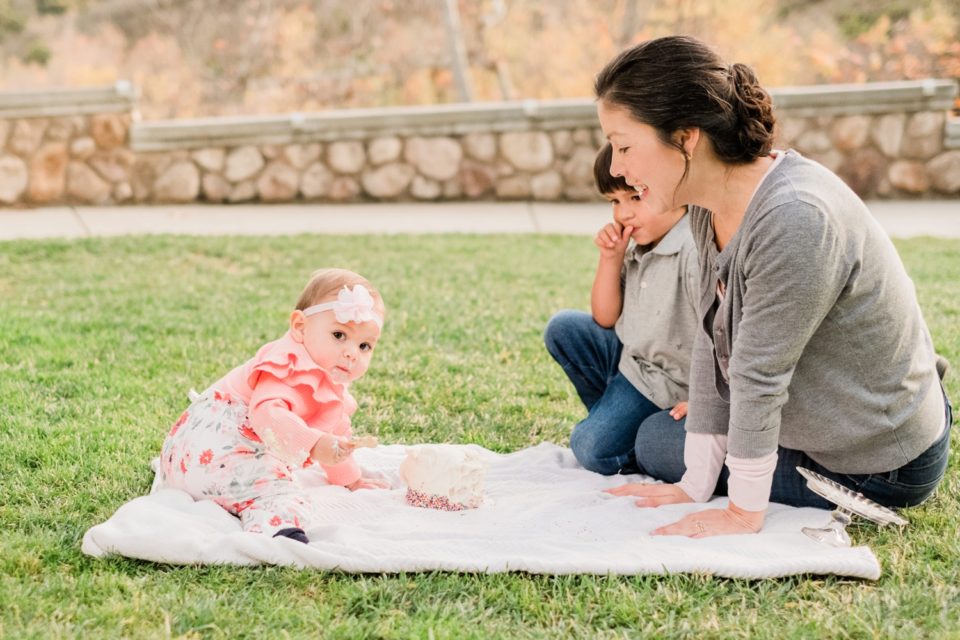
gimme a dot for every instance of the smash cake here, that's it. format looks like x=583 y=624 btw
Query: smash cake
x=444 y=477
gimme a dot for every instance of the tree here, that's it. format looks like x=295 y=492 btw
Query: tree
x=458 y=51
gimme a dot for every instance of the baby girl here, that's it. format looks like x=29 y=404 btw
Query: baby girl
x=288 y=407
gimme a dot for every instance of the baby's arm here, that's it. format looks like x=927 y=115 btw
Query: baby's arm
x=275 y=409
x=347 y=473
x=274 y=417
x=606 y=296
x=342 y=467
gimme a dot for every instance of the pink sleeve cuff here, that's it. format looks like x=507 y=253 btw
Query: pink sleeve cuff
x=703 y=456
x=343 y=474
x=348 y=471
x=750 y=481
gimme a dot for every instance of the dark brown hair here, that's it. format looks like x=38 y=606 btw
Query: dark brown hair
x=605 y=182
x=677 y=82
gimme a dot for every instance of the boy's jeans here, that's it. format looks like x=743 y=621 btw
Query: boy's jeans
x=606 y=440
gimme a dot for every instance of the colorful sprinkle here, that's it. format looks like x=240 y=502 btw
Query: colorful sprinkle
x=433 y=501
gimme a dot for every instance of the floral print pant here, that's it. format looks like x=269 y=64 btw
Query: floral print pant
x=212 y=453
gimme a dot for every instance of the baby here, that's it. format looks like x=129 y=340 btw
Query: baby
x=288 y=407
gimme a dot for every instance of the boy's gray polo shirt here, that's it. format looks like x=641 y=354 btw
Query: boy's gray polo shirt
x=658 y=320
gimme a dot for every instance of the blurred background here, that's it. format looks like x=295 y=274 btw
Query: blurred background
x=192 y=58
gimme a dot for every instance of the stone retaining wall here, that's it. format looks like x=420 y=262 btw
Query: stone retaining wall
x=86 y=147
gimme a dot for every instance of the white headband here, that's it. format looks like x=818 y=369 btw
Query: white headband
x=350 y=306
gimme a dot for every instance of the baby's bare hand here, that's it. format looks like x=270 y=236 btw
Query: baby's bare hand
x=367 y=483
x=330 y=450
x=364 y=441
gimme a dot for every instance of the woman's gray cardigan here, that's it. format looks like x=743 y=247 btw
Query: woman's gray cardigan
x=820 y=342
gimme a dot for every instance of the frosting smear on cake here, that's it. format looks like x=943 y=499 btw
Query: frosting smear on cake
x=444 y=477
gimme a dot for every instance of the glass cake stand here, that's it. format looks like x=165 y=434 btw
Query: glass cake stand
x=849 y=503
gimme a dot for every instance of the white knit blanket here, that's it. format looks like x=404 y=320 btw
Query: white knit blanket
x=543 y=514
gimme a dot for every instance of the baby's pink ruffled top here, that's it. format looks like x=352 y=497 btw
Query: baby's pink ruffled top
x=292 y=401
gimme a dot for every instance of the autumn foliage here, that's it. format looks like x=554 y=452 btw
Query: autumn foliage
x=194 y=58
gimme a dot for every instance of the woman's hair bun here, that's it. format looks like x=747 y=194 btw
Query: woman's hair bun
x=754 y=110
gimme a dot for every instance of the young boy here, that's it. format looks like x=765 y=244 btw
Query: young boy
x=630 y=359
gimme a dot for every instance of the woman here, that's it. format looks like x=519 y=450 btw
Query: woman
x=811 y=349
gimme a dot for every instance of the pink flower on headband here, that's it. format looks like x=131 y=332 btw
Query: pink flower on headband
x=354 y=305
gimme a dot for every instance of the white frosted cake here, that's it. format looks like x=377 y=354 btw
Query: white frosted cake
x=444 y=477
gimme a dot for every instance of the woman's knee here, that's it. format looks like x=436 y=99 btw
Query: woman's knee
x=659 y=447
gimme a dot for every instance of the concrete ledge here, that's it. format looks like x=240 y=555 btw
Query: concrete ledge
x=459 y=119
x=432 y=120
x=874 y=97
x=450 y=119
x=121 y=97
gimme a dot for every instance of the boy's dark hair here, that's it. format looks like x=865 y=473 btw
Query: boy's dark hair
x=605 y=182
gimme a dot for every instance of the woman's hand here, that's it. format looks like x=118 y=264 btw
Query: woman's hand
x=367 y=483
x=651 y=495
x=714 y=522
x=612 y=240
x=702 y=524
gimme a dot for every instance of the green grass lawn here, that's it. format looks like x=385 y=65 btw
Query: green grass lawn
x=101 y=339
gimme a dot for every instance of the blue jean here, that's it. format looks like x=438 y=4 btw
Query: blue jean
x=606 y=440
x=660 y=454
